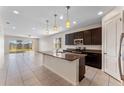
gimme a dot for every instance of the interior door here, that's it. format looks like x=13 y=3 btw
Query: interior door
x=112 y=32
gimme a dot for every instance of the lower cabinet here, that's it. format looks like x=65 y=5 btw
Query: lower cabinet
x=81 y=68
x=94 y=60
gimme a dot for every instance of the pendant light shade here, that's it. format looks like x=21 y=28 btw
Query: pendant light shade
x=67 y=23
x=55 y=25
x=67 y=20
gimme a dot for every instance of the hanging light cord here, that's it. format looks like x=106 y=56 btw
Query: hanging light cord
x=55 y=19
x=68 y=7
x=47 y=24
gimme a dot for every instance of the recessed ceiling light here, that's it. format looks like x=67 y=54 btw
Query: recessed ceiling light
x=100 y=13
x=13 y=27
x=74 y=22
x=33 y=28
x=61 y=17
x=16 y=12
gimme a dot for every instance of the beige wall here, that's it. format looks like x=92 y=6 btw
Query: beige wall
x=1 y=45
x=46 y=43
x=9 y=38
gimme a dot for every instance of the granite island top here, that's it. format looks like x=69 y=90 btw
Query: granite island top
x=63 y=55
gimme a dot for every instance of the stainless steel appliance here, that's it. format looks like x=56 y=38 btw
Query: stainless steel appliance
x=78 y=41
x=121 y=57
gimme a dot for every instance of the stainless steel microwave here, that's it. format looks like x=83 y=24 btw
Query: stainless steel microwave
x=78 y=41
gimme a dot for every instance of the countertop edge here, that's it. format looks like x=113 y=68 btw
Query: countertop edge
x=43 y=52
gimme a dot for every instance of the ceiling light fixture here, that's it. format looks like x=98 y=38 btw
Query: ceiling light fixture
x=61 y=17
x=67 y=20
x=16 y=12
x=55 y=25
x=100 y=13
x=33 y=28
x=13 y=27
x=74 y=22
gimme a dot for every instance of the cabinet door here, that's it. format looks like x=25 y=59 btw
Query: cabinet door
x=78 y=35
x=69 y=39
x=96 y=36
x=87 y=37
x=66 y=39
x=112 y=33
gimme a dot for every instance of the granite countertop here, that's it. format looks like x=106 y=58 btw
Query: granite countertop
x=65 y=56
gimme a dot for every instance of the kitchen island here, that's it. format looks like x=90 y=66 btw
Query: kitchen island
x=69 y=66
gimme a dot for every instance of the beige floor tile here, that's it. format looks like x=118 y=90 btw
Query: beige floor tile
x=100 y=79
x=90 y=73
x=114 y=82
x=2 y=77
x=26 y=69
x=14 y=82
x=27 y=75
x=32 y=82
x=85 y=82
x=63 y=82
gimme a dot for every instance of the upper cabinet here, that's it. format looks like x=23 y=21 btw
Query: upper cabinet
x=90 y=37
x=69 y=39
x=87 y=38
x=96 y=36
x=78 y=35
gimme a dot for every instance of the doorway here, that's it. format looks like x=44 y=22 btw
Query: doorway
x=16 y=46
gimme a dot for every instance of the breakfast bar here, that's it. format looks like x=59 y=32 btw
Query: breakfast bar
x=69 y=66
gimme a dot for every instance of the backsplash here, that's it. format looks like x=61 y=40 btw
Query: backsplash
x=93 y=47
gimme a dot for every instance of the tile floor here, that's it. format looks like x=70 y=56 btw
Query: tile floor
x=25 y=69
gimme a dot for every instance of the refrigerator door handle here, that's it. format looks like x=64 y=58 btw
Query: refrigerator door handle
x=119 y=58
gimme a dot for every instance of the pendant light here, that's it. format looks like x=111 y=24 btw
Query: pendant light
x=67 y=20
x=47 y=29
x=55 y=25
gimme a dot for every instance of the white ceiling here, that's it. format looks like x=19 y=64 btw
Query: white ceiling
x=35 y=17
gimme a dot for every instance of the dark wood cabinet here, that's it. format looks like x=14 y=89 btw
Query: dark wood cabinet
x=94 y=60
x=87 y=37
x=66 y=39
x=81 y=68
x=90 y=37
x=96 y=36
x=78 y=35
x=69 y=39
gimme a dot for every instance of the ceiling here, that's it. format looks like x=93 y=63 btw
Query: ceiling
x=31 y=20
